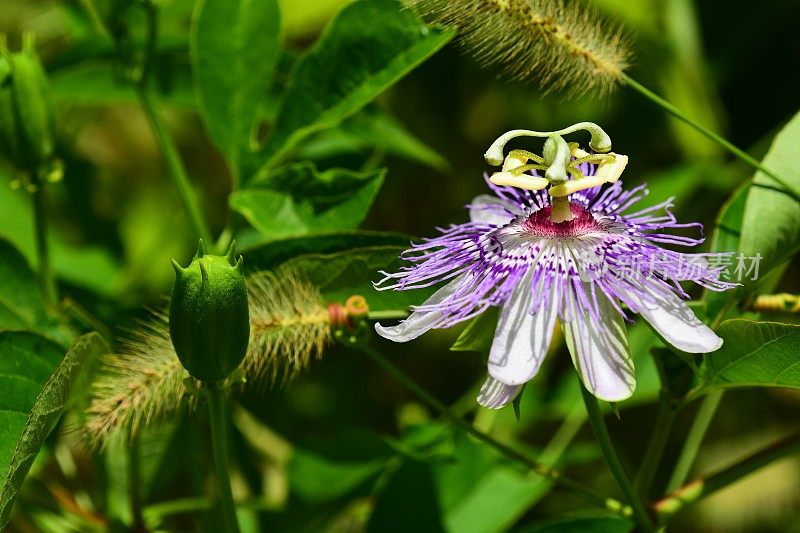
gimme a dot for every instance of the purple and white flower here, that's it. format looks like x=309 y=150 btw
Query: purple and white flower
x=589 y=272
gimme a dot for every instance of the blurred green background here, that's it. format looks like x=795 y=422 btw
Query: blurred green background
x=117 y=221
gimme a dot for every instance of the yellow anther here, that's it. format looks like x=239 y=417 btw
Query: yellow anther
x=608 y=171
x=521 y=181
x=514 y=160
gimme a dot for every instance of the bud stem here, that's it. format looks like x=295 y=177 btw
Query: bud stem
x=46 y=279
x=217 y=417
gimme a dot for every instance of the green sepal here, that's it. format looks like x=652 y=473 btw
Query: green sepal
x=209 y=319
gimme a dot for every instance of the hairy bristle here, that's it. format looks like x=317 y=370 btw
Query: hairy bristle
x=290 y=326
x=564 y=45
x=139 y=384
x=144 y=381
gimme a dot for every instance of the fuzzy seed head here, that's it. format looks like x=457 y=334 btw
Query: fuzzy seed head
x=290 y=326
x=562 y=44
x=141 y=383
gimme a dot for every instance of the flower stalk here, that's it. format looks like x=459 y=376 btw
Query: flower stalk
x=139 y=76
x=640 y=512
x=219 y=439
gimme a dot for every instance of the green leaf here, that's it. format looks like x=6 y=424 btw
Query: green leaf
x=771 y=222
x=316 y=478
x=479 y=333
x=266 y=256
x=481 y=492
x=375 y=130
x=726 y=235
x=35 y=381
x=87 y=266
x=234 y=48
x=754 y=354
x=299 y=200
x=344 y=274
x=21 y=305
x=367 y=48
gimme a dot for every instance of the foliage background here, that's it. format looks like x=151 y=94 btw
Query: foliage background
x=313 y=452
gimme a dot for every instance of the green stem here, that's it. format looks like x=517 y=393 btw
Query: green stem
x=703 y=487
x=697 y=432
x=534 y=466
x=147 y=100
x=612 y=460
x=176 y=170
x=655 y=449
x=563 y=436
x=387 y=314
x=737 y=152
x=217 y=417
x=46 y=279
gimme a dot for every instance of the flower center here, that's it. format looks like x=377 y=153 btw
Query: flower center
x=541 y=224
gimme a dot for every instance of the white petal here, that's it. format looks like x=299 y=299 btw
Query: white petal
x=677 y=323
x=488 y=209
x=496 y=394
x=600 y=350
x=521 y=339
x=419 y=321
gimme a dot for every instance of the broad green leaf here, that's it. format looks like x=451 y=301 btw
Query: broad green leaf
x=771 y=221
x=266 y=256
x=372 y=130
x=725 y=238
x=754 y=354
x=317 y=479
x=35 y=382
x=299 y=200
x=234 y=49
x=368 y=47
x=344 y=274
x=594 y=522
x=480 y=492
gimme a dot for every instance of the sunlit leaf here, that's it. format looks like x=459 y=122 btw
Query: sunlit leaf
x=725 y=238
x=754 y=354
x=368 y=47
x=482 y=493
x=771 y=220
x=299 y=200
x=234 y=48
x=372 y=130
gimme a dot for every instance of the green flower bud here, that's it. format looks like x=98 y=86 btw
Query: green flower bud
x=209 y=319
x=27 y=130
